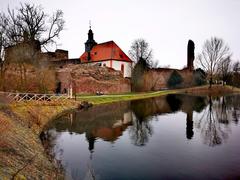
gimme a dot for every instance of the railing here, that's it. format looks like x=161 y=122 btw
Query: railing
x=34 y=97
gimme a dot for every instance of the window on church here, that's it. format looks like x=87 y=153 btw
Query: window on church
x=122 y=68
x=121 y=56
x=95 y=53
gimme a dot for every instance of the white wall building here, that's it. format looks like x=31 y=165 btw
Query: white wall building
x=106 y=54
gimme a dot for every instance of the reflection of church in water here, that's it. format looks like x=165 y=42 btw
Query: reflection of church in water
x=171 y=103
x=108 y=122
x=110 y=134
x=102 y=123
x=213 y=118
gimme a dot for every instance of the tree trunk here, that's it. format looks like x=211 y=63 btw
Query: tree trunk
x=210 y=83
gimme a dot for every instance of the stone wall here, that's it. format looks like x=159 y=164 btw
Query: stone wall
x=30 y=52
x=58 y=55
x=37 y=80
x=85 y=79
x=89 y=79
x=156 y=79
x=22 y=52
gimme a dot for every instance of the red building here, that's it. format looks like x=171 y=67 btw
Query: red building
x=106 y=54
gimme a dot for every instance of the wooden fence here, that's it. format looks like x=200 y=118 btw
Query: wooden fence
x=35 y=97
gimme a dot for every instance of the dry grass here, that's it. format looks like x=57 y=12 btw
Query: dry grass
x=21 y=124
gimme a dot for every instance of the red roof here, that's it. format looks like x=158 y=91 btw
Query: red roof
x=105 y=51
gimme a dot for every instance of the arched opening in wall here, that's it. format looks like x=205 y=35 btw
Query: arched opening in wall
x=58 y=87
x=122 y=68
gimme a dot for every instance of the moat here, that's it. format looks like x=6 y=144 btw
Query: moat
x=173 y=136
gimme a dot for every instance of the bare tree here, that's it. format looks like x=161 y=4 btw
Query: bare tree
x=236 y=67
x=28 y=28
x=30 y=20
x=225 y=69
x=3 y=42
x=140 y=51
x=214 y=51
x=236 y=74
x=141 y=54
x=2 y=54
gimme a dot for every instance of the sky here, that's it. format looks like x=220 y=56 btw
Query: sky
x=166 y=25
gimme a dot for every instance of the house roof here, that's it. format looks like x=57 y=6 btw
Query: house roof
x=105 y=51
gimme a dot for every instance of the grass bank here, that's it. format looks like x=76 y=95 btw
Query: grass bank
x=22 y=155
x=200 y=90
x=103 y=99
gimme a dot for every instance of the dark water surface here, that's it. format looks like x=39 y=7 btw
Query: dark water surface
x=170 y=137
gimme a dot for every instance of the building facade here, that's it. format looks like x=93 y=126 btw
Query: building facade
x=107 y=54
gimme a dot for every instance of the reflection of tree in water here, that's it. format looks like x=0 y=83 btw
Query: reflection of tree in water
x=150 y=108
x=215 y=120
x=235 y=107
x=236 y=115
x=174 y=102
x=140 y=131
x=187 y=104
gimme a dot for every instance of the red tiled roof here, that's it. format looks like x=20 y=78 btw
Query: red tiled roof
x=105 y=51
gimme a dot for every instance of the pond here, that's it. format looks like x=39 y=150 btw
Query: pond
x=169 y=137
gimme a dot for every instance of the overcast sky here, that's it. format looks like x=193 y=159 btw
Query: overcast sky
x=167 y=25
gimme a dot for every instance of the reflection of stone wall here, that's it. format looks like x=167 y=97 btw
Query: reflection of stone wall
x=148 y=107
x=89 y=120
x=167 y=104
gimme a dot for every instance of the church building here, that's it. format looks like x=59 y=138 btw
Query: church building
x=107 y=54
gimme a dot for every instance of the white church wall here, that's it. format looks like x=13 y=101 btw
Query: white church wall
x=127 y=67
x=117 y=66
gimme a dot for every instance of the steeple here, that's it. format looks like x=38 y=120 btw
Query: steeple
x=90 y=42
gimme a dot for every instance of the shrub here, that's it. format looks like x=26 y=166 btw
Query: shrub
x=137 y=79
x=175 y=80
x=199 y=77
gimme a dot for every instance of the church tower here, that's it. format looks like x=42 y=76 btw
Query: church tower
x=90 y=42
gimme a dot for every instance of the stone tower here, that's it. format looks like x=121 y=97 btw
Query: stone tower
x=90 y=42
x=190 y=55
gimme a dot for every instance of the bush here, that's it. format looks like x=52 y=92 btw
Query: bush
x=199 y=77
x=137 y=79
x=175 y=80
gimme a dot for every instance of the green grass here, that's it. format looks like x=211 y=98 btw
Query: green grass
x=94 y=99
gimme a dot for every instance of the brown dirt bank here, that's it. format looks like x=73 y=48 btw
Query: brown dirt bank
x=21 y=152
x=215 y=90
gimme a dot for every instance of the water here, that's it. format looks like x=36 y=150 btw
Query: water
x=170 y=137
